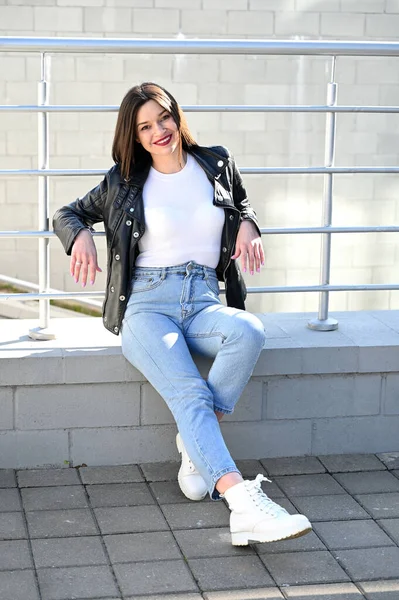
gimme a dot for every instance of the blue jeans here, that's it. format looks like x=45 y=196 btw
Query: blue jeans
x=171 y=312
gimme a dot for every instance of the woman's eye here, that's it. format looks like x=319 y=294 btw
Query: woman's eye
x=144 y=128
x=165 y=117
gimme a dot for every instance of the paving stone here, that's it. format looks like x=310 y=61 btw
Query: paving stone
x=198 y=515
x=120 y=474
x=391 y=526
x=177 y=596
x=76 y=582
x=370 y=563
x=18 y=585
x=130 y=519
x=327 y=591
x=230 y=572
x=396 y=473
x=309 y=485
x=307 y=542
x=250 y=468
x=380 y=506
x=155 y=577
x=12 y=526
x=47 y=477
x=60 y=523
x=352 y=534
x=204 y=543
x=292 y=568
x=134 y=547
x=162 y=471
x=373 y=482
x=7 y=478
x=9 y=500
x=330 y=508
x=390 y=459
x=343 y=463
x=294 y=465
x=68 y=552
x=381 y=590
x=119 y=494
x=15 y=555
x=169 y=492
x=257 y=594
x=50 y=498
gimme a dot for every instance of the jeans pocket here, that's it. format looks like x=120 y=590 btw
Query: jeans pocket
x=213 y=284
x=144 y=283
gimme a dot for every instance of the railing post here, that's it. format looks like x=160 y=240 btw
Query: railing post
x=324 y=322
x=42 y=332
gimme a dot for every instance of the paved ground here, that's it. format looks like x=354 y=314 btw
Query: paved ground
x=128 y=532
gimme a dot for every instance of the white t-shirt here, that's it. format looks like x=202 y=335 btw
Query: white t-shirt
x=182 y=223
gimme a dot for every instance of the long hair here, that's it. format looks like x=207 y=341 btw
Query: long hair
x=126 y=151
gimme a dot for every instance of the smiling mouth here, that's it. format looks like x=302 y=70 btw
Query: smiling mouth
x=164 y=141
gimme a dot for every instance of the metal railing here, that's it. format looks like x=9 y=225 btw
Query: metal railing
x=333 y=49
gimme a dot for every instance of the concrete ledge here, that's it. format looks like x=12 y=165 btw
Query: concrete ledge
x=77 y=400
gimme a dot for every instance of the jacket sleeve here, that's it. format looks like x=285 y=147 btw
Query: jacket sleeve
x=240 y=197
x=69 y=220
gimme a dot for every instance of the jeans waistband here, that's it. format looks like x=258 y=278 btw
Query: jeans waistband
x=187 y=268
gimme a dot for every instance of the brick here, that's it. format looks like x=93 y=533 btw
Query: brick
x=275 y=5
x=203 y=22
x=379 y=590
x=130 y=519
x=154 y=410
x=60 y=19
x=145 y=546
x=223 y=573
x=268 y=438
x=26 y=372
x=326 y=591
x=12 y=526
x=179 y=4
x=345 y=463
x=46 y=498
x=155 y=21
x=13 y=67
x=195 y=69
x=100 y=68
x=392 y=394
x=256 y=22
x=370 y=563
x=327 y=6
x=308 y=567
x=120 y=474
x=14 y=19
x=392 y=6
x=64 y=406
x=109 y=20
x=294 y=465
x=47 y=477
x=60 y=523
x=250 y=468
x=351 y=534
x=368 y=483
x=194 y=516
x=65 y=552
x=122 y=445
x=208 y=543
x=355 y=434
x=269 y=593
x=309 y=485
x=6 y=408
x=382 y=26
x=119 y=494
x=83 y=582
x=380 y=505
x=160 y=471
x=155 y=577
x=169 y=492
x=391 y=526
x=18 y=585
x=314 y=397
x=15 y=555
x=390 y=459
x=342 y=25
x=9 y=500
x=296 y=23
x=7 y=478
x=330 y=508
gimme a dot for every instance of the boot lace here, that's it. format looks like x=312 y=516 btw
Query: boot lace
x=261 y=500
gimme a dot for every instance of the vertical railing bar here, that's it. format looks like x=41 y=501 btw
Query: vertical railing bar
x=323 y=322
x=42 y=332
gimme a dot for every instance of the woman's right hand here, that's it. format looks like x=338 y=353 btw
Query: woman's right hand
x=84 y=258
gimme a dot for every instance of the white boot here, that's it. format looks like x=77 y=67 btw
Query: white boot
x=190 y=481
x=256 y=518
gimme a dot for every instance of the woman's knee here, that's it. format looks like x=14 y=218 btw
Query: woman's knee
x=252 y=329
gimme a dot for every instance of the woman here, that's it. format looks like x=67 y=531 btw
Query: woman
x=176 y=217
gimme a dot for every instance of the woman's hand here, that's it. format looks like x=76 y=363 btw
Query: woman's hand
x=84 y=258
x=249 y=247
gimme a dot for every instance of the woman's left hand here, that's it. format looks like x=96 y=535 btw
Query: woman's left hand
x=249 y=247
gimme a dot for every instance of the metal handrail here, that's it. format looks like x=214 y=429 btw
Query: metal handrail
x=331 y=49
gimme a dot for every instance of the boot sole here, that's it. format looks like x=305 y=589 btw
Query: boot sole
x=243 y=538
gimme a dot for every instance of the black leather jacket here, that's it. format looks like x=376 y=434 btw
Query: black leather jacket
x=119 y=203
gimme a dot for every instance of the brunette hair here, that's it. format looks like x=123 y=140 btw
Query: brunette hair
x=125 y=149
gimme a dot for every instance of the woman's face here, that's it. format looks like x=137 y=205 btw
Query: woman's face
x=156 y=129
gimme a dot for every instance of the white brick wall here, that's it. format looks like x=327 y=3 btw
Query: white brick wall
x=276 y=139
